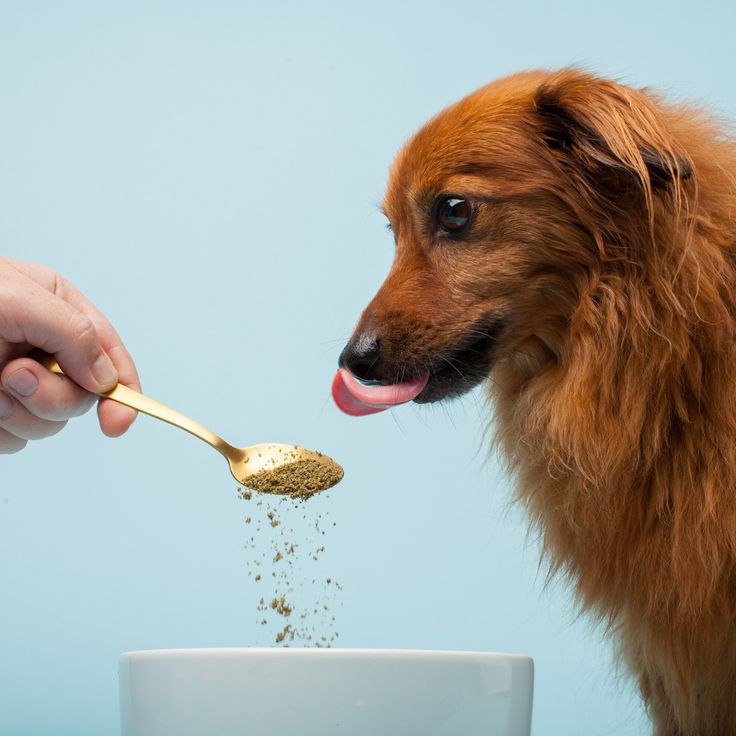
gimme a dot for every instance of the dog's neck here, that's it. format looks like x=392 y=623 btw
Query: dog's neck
x=615 y=432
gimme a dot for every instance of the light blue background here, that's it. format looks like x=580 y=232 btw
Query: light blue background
x=208 y=174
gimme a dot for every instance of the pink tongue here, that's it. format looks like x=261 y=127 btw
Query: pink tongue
x=357 y=399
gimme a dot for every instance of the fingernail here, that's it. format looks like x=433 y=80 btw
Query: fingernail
x=23 y=382
x=6 y=405
x=104 y=371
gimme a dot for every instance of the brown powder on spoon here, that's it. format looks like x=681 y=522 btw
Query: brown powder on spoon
x=299 y=479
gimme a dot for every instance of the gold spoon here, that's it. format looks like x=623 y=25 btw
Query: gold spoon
x=273 y=468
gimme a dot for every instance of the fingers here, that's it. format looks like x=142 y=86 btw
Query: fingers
x=17 y=421
x=18 y=425
x=40 y=400
x=106 y=334
x=35 y=403
x=114 y=418
x=32 y=314
x=55 y=316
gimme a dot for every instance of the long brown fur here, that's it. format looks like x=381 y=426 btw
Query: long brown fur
x=605 y=239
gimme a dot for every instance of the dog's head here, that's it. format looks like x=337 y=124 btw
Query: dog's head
x=505 y=208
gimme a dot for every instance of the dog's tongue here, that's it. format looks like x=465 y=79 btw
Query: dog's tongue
x=358 y=399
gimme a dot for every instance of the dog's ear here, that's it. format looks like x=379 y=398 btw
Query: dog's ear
x=609 y=129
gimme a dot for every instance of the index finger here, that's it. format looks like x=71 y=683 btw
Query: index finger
x=115 y=419
x=106 y=333
x=33 y=314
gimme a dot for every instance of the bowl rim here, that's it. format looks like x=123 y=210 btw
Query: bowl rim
x=322 y=652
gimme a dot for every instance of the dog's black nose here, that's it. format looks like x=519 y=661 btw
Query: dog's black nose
x=362 y=356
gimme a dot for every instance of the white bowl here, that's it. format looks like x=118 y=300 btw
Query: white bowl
x=324 y=692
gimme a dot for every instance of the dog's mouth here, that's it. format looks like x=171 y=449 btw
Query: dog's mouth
x=463 y=368
x=449 y=373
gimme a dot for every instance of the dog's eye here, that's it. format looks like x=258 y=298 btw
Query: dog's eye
x=453 y=214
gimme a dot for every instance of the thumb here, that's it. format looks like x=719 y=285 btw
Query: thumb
x=89 y=366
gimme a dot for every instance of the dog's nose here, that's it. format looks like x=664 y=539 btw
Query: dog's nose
x=362 y=356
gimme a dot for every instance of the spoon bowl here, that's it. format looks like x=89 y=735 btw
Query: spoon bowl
x=269 y=467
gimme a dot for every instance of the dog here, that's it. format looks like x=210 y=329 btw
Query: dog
x=572 y=242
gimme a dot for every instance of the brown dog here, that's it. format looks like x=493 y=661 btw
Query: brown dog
x=575 y=240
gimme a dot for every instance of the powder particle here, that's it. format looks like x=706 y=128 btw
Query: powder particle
x=281 y=606
x=287 y=631
x=298 y=479
x=272 y=518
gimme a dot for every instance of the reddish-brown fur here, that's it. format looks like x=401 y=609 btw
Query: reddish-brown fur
x=605 y=237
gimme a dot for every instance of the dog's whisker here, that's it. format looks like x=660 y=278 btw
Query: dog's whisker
x=334 y=341
x=450 y=363
x=397 y=423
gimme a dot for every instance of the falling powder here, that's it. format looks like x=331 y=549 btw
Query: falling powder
x=295 y=600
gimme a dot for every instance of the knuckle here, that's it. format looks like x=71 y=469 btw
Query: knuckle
x=56 y=407
x=60 y=284
x=58 y=399
x=57 y=404
x=83 y=328
x=64 y=405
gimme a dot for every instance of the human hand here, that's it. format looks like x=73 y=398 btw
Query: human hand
x=41 y=309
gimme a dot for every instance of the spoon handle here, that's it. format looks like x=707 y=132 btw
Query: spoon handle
x=140 y=402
